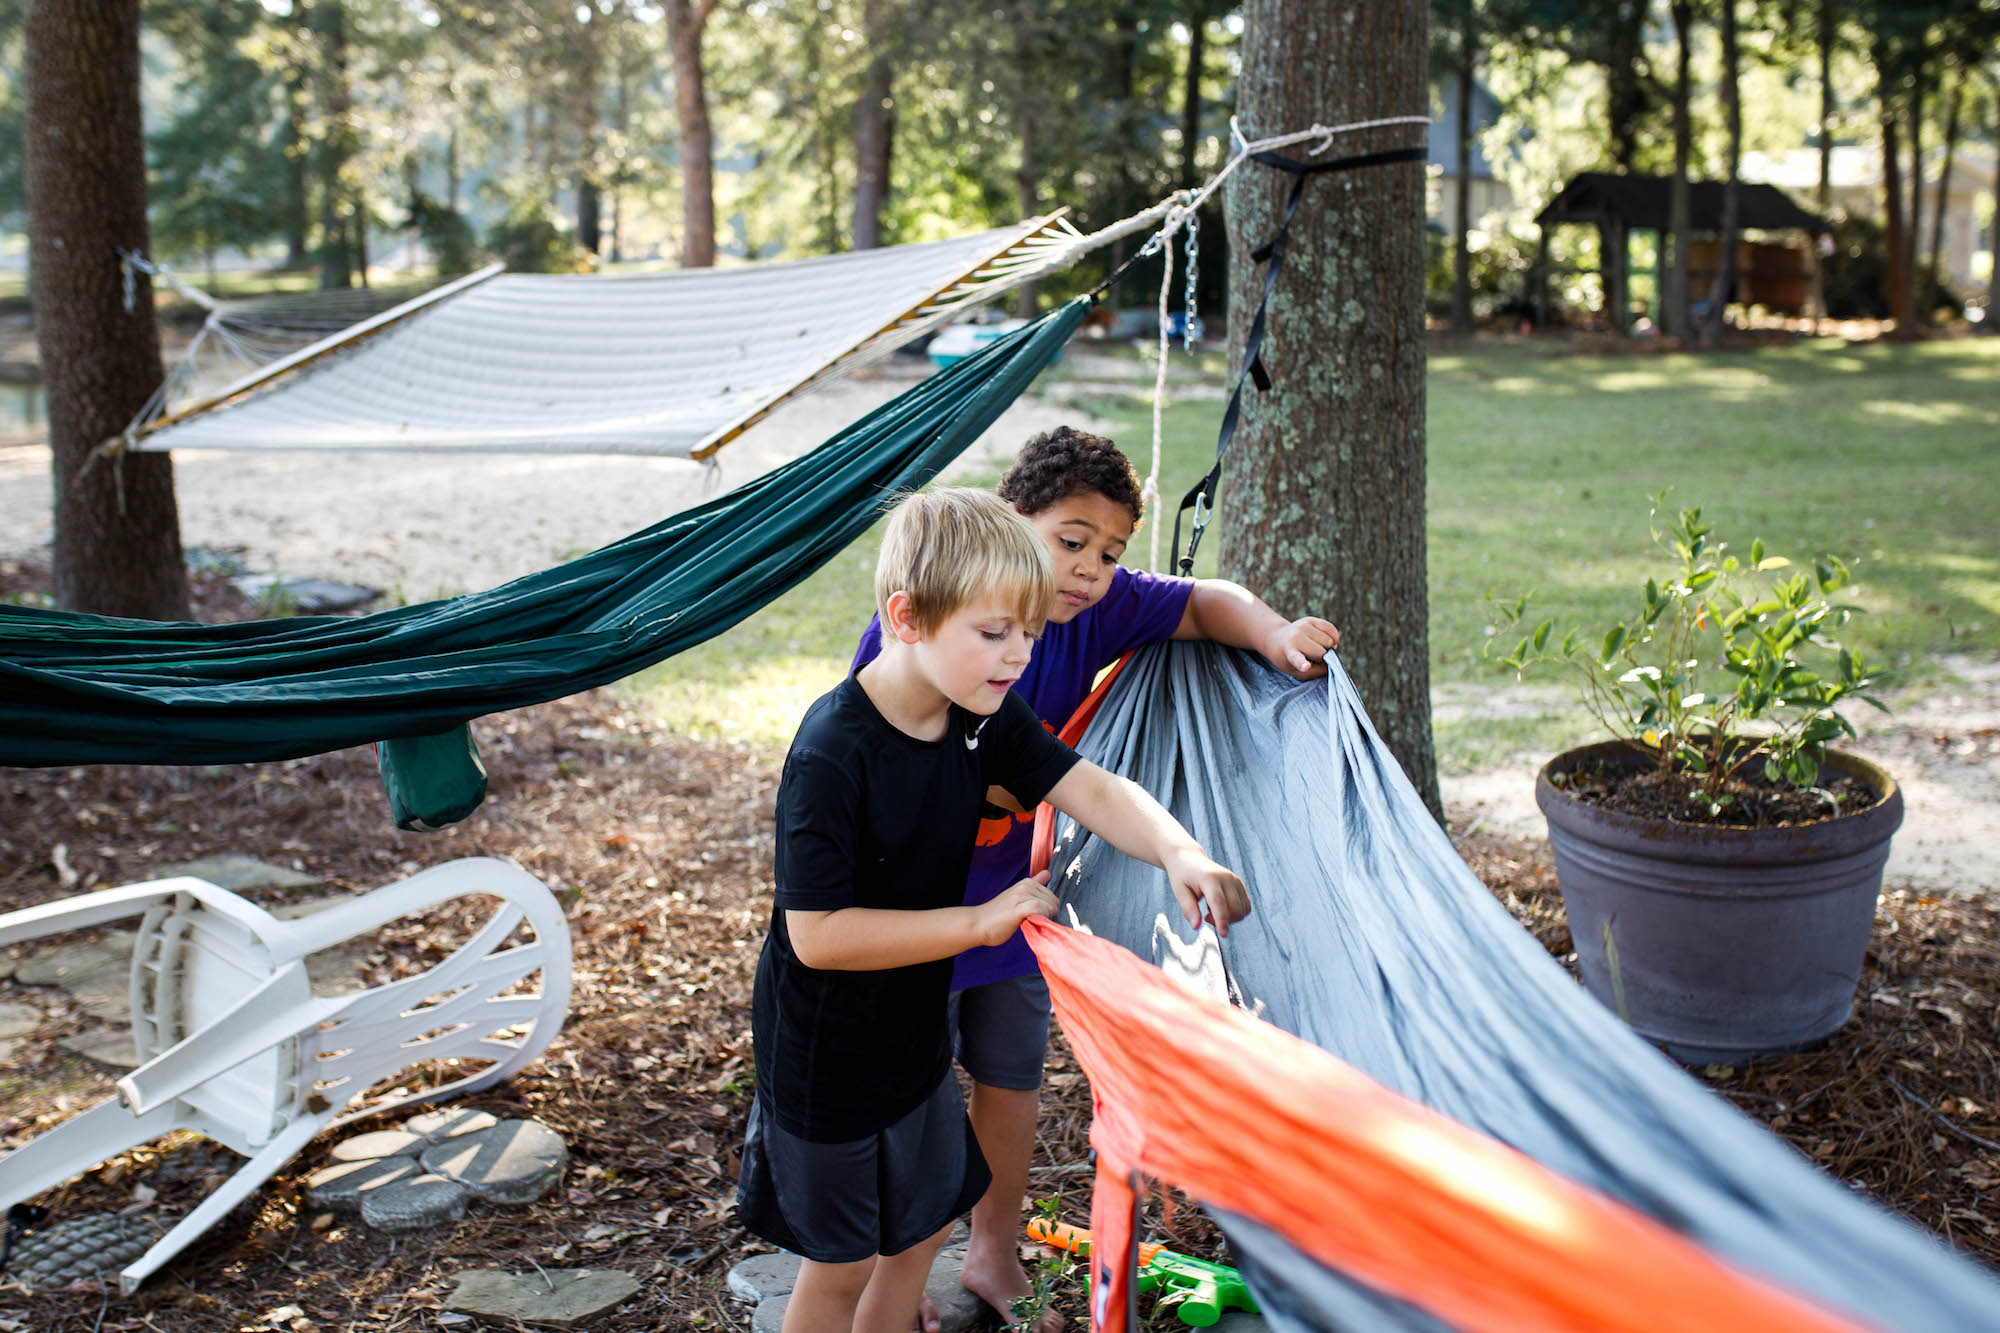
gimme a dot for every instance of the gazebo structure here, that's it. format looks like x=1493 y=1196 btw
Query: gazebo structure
x=1779 y=275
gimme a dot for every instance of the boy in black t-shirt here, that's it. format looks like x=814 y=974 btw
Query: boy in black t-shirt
x=859 y=1152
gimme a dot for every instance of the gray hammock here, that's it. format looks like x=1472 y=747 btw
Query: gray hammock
x=1370 y=938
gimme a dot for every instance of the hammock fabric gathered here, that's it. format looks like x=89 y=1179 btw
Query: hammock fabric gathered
x=78 y=689
x=1371 y=940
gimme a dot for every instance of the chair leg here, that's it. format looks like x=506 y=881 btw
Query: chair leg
x=76 y=1145
x=231 y=1192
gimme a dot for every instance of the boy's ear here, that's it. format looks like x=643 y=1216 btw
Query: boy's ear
x=897 y=617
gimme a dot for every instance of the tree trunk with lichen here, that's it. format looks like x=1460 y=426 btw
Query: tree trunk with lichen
x=117 y=528
x=1323 y=493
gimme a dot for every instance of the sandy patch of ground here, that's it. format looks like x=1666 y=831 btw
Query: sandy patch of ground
x=421 y=526
x=1942 y=747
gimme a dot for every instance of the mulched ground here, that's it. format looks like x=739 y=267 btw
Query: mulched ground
x=661 y=848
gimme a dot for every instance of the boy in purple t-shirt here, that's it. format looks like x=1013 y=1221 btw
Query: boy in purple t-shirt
x=1083 y=496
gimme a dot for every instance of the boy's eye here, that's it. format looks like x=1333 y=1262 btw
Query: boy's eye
x=1072 y=545
x=1109 y=558
x=993 y=635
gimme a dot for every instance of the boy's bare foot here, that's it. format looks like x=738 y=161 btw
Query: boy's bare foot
x=999 y=1279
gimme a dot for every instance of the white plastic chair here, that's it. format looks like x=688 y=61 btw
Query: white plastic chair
x=233 y=1044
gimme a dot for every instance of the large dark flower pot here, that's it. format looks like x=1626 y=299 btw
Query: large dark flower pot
x=1719 y=943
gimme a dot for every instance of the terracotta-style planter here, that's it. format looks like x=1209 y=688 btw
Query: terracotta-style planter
x=1719 y=943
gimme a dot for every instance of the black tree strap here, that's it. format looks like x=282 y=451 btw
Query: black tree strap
x=1201 y=499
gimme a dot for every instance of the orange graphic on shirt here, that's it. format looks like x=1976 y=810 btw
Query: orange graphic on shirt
x=994 y=831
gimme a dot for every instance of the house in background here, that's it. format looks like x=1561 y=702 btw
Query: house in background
x=1855 y=180
x=1488 y=195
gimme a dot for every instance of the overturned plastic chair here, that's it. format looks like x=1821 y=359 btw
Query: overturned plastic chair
x=233 y=1044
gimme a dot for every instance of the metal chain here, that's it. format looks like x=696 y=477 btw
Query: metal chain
x=1191 y=329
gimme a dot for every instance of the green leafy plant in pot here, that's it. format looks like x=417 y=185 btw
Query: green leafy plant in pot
x=1719 y=863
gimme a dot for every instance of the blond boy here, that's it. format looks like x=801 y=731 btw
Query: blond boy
x=859 y=1153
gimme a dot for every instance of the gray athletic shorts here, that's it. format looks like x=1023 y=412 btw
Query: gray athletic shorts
x=840 y=1203
x=1000 y=1031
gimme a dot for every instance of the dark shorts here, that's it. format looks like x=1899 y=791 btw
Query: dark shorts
x=1000 y=1031
x=840 y=1203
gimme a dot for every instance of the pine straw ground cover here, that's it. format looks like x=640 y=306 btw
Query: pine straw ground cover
x=661 y=848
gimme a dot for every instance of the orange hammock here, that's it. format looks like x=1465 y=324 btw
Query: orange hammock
x=1256 y=1122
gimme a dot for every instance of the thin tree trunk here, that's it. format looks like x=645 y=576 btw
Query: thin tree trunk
x=1895 y=278
x=589 y=186
x=1675 y=316
x=1992 y=322
x=1913 y=234
x=1723 y=289
x=336 y=147
x=1027 y=195
x=298 y=153
x=872 y=120
x=1124 y=62
x=1928 y=284
x=1827 y=33
x=1197 y=22
x=685 y=20
x=1322 y=506
x=1461 y=219
x=117 y=548
x=358 y=219
x=1625 y=95
x=451 y=167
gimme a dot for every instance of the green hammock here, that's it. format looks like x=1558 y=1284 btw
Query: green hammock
x=78 y=689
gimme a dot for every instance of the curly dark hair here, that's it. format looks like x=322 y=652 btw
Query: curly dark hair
x=1065 y=461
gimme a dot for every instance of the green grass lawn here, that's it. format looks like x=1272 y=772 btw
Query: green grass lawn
x=1542 y=467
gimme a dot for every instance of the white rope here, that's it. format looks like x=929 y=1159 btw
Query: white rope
x=1150 y=492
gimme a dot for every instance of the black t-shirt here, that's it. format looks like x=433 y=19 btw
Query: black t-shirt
x=870 y=816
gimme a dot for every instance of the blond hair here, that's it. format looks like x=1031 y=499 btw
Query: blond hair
x=949 y=547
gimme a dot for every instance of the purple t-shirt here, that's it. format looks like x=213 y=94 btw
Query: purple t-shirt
x=1139 y=608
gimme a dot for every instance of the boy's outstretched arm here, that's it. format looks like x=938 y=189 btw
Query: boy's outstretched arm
x=870 y=939
x=1230 y=613
x=1125 y=815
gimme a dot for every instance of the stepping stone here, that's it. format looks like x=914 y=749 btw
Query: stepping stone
x=16 y=1022
x=73 y=964
x=379 y=1143
x=414 y=1203
x=768 y=1279
x=81 y=1247
x=516 y=1161
x=239 y=873
x=438 y=1126
x=111 y=1047
x=560 y=1297
x=343 y=1185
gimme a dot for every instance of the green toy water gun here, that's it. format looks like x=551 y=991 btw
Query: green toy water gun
x=1201 y=1290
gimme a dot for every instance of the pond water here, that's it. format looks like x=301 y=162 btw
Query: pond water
x=23 y=407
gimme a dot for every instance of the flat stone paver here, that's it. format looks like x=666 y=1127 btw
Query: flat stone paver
x=414 y=1203
x=442 y=1125
x=516 y=1161
x=81 y=1247
x=344 y=1185
x=16 y=1022
x=768 y=1280
x=559 y=1296
x=239 y=873
x=378 y=1143
x=96 y=961
x=111 y=1047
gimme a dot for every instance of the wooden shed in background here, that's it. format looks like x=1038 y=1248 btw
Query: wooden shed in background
x=1775 y=269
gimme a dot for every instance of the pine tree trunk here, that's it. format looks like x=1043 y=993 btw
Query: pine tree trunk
x=1625 y=97
x=298 y=154
x=1197 y=22
x=685 y=19
x=336 y=147
x=1323 y=495
x=1676 y=315
x=1461 y=219
x=1991 y=324
x=1912 y=234
x=872 y=119
x=1928 y=284
x=1027 y=195
x=1723 y=289
x=1827 y=32
x=117 y=528
x=1896 y=277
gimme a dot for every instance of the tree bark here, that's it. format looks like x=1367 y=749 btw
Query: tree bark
x=1461 y=219
x=1724 y=287
x=1027 y=194
x=1124 y=112
x=117 y=528
x=874 y=118
x=1676 y=314
x=298 y=152
x=336 y=146
x=1323 y=496
x=1896 y=276
x=1928 y=283
x=1913 y=234
x=1197 y=22
x=685 y=20
x=1828 y=30
x=1625 y=95
x=1991 y=324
